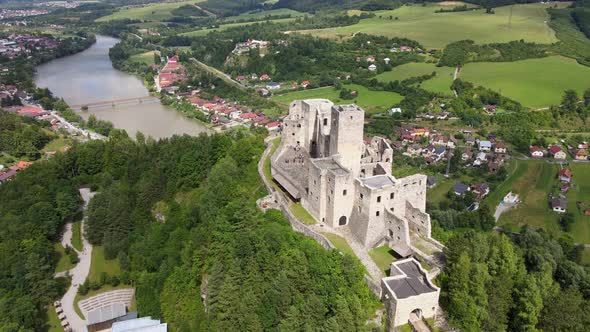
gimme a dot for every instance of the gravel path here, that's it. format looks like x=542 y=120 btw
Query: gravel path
x=78 y=273
x=66 y=238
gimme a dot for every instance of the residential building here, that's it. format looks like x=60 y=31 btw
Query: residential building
x=484 y=145
x=460 y=189
x=557 y=152
x=536 y=152
x=559 y=204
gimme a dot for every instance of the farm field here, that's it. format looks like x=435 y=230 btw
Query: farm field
x=151 y=12
x=261 y=15
x=435 y=30
x=441 y=83
x=533 y=181
x=532 y=82
x=202 y=32
x=370 y=101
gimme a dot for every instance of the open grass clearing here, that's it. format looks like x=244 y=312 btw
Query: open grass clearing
x=53 y=324
x=438 y=193
x=275 y=144
x=441 y=83
x=370 y=101
x=100 y=264
x=76 y=235
x=516 y=169
x=580 y=193
x=383 y=256
x=435 y=30
x=340 y=243
x=148 y=12
x=574 y=42
x=532 y=82
x=63 y=264
x=145 y=58
x=301 y=214
x=586 y=256
x=58 y=144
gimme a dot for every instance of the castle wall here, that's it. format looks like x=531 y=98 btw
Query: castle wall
x=418 y=221
x=341 y=192
x=397 y=229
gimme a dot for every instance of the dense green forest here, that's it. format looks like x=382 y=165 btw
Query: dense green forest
x=22 y=137
x=526 y=282
x=254 y=271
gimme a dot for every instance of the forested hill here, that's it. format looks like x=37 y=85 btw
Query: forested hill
x=209 y=238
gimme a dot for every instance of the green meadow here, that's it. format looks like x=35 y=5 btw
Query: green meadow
x=532 y=82
x=435 y=30
x=370 y=101
x=261 y=15
x=533 y=181
x=441 y=83
x=151 y=12
x=202 y=32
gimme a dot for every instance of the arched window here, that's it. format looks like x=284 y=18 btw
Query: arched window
x=342 y=221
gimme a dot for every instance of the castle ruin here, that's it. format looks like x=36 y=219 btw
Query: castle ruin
x=344 y=181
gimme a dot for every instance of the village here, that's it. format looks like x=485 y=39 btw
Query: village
x=17 y=45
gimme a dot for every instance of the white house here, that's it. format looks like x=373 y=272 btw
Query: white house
x=484 y=145
x=372 y=67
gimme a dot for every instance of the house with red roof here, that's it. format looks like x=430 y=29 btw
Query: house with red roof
x=565 y=175
x=264 y=77
x=557 y=152
x=248 y=116
x=536 y=152
x=581 y=154
x=271 y=126
x=305 y=84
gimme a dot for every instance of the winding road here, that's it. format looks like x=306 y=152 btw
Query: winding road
x=80 y=272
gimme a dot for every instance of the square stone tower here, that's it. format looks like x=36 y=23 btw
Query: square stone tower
x=346 y=136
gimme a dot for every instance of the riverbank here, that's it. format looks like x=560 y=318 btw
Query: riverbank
x=89 y=77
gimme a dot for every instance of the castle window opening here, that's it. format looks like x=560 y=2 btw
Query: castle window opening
x=391 y=196
x=325 y=121
x=362 y=196
x=390 y=233
x=378 y=199
x=387 y=160
x=344 y=192
x=377 y=213
x=342 y=221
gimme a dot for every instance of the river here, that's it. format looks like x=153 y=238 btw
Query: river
x=89 y=77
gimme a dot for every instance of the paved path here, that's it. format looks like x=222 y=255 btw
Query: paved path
x=418 y=324
x=66 y=238
x=78 y=273
x=501 y=208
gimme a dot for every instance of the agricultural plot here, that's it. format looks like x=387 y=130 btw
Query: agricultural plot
x=370 y=101
x=146 y=58
x=580 y=193
x=435 y=30
x=441 y=83
x=532 y=82
x=151 y=12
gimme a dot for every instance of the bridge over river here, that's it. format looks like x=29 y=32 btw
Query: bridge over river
x=116 y=102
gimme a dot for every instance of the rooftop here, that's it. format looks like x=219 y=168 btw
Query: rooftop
x=330 y=165
x=408 y=280
x=349 y=107
x=378 y=181
x=107 y=313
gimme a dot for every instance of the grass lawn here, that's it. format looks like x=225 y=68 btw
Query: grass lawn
x=439 y=193
x=383 y=257
x=581 y=193
x=301 y=213
x=586 y=256
x=516 y=169
x=76 y=236
x=100 y=265
x=63 y=264
x=370 y=101
x=58 y=144
x=532 y=82
x=400 y=172
x=261 y=15
x=202 y=32
x=275 y=144
x=441 y=83
x=435 y=30
x=52 y=323
x=151 y=12
x=533 y=186
x=340 y=243
x=574 y=42
x=147 y=57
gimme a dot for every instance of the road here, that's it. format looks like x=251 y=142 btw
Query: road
x=78 y=273
x=225 y=77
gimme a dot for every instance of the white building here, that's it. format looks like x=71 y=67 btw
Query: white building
x=408 y=294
